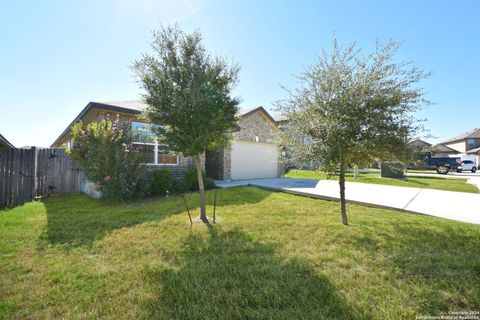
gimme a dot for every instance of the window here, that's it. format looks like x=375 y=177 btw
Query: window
x=145 y=141
x=471 y=144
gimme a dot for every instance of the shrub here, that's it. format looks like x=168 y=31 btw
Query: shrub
x=143 y=187
x=209 y=183
x=190 y=181
x=162 y=181
x=182 y=186
x=103 y=151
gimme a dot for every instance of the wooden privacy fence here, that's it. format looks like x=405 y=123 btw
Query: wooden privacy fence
x=29 y=173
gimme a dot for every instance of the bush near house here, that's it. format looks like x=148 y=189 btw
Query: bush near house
x=103 y=150
x=191 y=181
x=163 y=180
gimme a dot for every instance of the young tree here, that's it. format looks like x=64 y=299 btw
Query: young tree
x=352 y=108
x=189 y=95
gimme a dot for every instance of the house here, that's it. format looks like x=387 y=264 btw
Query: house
x=5 y=144
x=254 y=153
x=421 y=150
x=420 y=145
x=441 y=150
x=466 y=145
x=291 y=161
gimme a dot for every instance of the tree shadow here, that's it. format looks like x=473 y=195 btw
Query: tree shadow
x=77 y=220
x=232 y=276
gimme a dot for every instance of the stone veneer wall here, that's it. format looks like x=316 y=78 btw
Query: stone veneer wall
x=256 y=124
x=227 y=164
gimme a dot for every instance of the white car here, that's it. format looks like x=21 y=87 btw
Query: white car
x=467 y=165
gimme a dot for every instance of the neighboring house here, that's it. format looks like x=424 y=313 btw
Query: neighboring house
x=466 y=145
x=441 y=150
x=420 y=145
x=475 y=152
x=254 y=152
x=5 y=144
x=422 y=150
x=290 y=159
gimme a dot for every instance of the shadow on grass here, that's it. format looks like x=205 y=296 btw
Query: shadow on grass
x=232 y=276
x=77 y=220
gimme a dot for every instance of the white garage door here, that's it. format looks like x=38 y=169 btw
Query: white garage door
x=253 y=160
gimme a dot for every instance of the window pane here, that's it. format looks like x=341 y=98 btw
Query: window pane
x=167 y=159
x=166 y=156
x=147 y=150
x=142 y=132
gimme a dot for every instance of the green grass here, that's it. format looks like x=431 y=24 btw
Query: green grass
x=271 y=256
x=422 y=171
x=460 y=185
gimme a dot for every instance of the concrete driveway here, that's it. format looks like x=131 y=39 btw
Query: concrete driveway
x=277 y=184
x=458 y=206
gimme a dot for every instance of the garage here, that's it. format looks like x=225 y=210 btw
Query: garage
x=254 y=160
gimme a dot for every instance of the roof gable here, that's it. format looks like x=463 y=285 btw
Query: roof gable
x=131 y=107
x=475 y=133
x=442 y=147
x=258 y=109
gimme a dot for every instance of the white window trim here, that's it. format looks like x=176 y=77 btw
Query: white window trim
x=155 y=148
x=155 y=154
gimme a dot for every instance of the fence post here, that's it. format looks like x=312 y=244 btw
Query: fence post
x=33 y=173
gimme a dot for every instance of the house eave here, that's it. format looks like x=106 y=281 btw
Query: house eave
x=94 y=105
x=4 y=141
x=474 y=151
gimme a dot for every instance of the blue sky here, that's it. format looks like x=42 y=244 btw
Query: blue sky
x=56 y=56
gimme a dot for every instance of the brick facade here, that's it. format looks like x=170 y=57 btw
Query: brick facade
x=184 y=164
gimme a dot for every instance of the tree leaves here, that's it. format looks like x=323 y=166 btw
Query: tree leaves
x=188 y=91
x=355 y=105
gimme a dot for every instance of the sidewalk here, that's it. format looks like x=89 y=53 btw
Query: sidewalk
x=452 y=205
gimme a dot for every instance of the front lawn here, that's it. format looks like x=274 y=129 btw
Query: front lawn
x=460 y=185
x=271 y=256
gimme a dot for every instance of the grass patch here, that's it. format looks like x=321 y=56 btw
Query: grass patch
x=460 y=185
x=272 y=256
x=422 y=171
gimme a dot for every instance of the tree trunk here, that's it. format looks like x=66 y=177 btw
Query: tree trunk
x=201 y=189
x=343 y=208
